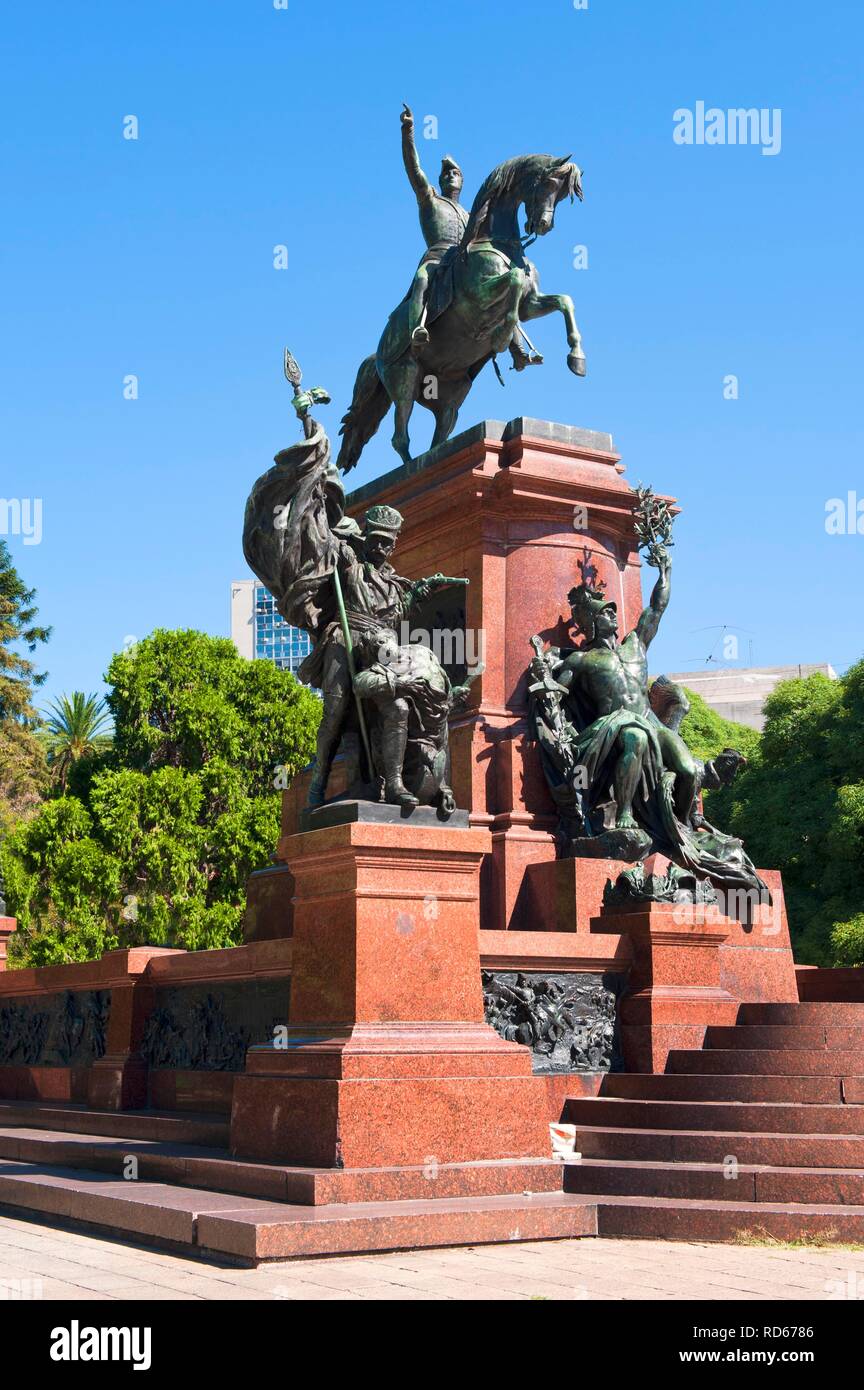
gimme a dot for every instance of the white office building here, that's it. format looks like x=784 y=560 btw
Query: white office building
x=257 y=630
x=740 y=694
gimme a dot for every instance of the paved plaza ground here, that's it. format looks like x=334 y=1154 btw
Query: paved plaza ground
x=40 y=1262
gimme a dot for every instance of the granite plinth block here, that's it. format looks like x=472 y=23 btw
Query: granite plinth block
x=387 y=1059
x=183 y=1089
x=674 y=991
x=44 y=1083
x=388 y=1121
x=566 y=894
x=756 y=961
x=385 y=924
x=347 y=812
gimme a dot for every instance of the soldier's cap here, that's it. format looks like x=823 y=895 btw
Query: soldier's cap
x=382 y=520
x=448 y=162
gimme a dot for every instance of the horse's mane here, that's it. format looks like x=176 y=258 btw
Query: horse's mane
x=506 y=177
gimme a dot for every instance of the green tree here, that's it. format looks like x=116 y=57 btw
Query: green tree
x=76 y=726
x=799 y=806
x=156 y=837
x=707 y=733
x=22 y=761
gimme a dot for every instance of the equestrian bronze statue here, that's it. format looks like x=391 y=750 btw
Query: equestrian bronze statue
x=467 y=299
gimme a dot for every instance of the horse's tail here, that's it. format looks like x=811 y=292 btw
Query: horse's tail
x=369 y=405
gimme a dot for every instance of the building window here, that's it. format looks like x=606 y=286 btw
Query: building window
x=274 y=639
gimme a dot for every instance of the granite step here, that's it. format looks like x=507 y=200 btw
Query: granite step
x=254 y=1236
x=800 y=1090
x=833 y=1151
x=803 y=1015
x=182 y=1127
x=215 y=1170
x=740 y=1116
x=812 y=1037
x=761 y=1131
x=248 y=1230
x=716 y=1181
x=681 y=1218
x=773 y=1061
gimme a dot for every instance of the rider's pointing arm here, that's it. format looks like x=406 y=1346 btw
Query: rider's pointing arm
x=416 y=177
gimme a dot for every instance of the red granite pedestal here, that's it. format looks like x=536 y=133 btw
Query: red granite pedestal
x=513 y=508
x=387 y=1060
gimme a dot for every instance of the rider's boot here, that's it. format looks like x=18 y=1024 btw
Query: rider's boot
x=419 y=339
x=522 y=359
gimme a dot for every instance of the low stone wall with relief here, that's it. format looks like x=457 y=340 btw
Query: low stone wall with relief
x=141 y=1026
x=55 y=1030
x=171 y=1029
x=208 y=1027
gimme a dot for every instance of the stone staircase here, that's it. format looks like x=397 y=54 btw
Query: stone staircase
x=72 y=1164
x=759 y=1131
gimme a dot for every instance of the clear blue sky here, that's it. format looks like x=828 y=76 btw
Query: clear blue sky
x=261 y=126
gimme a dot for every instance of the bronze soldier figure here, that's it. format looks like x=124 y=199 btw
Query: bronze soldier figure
x=334 y=579
x=376 y=600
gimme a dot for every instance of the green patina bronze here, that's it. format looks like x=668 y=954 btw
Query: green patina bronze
x=624 y=780
x=386 y=703
x=472 y=290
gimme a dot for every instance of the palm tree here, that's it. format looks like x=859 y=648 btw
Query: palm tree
x=76 y=727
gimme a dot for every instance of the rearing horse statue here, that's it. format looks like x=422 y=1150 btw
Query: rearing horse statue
x=479 y=293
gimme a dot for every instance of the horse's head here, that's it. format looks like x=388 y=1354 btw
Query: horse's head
x=539 y=181
x=555 y=179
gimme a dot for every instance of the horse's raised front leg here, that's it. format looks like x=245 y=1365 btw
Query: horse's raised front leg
x=535 y=305
x=515 y=288
x=495 y=303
